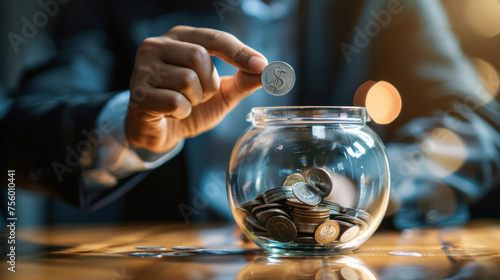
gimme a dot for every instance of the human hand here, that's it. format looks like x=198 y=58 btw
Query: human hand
x=175 y=90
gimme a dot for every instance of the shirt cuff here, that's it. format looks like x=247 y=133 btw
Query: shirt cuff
x=115 y=158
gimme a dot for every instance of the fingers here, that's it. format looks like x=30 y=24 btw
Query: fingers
x=193 y=57
x=162 y=102
x=235 y=88
x=183 y=80
x=223 y=45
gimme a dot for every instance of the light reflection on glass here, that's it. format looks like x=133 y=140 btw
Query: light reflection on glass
x=332 y=267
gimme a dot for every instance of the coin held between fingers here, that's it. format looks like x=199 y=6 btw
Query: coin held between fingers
x=278 y=78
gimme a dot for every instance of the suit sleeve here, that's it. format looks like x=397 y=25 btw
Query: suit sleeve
x=53 y=130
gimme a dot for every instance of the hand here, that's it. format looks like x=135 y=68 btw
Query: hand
x=175 y=90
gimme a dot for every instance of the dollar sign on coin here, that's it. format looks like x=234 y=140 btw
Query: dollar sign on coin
x=278 y=78
x=278 y=82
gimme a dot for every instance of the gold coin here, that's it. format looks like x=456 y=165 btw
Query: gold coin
x=327 y=232
x=292 y=179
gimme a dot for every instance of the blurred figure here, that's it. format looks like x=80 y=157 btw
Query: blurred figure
x=76 y=132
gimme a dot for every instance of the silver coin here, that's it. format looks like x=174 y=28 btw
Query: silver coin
x=278 y=78
x=155 y=248
x=177 y=254
x=144 y=254
x=186 y=248
x=306 y=194
x=321 y=180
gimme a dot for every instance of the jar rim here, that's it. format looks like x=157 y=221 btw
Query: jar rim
x=308 y=114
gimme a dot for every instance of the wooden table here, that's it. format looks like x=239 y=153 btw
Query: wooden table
x=101 y=252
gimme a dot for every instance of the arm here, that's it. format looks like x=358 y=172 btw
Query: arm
x=61 y=119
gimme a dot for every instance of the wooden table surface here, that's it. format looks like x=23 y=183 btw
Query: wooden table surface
x=102 y=252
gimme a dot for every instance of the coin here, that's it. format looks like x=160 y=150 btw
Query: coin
x=254 y=223
x=251 y=204
x=144 y=254
x=281 y=229
x=264 y=216
x=268 y=206
x=177 y=254
x=278 y=78
x=306 y=194
x=321 y=180
x=300 y=210
x=279 y=197
x=327 y=232
x=297 y=204
x=146 y=247
x=353 y=220
x=291 y=179
x=347 y=231
x=186 y=248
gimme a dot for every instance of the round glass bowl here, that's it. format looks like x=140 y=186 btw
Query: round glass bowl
x=308 y=179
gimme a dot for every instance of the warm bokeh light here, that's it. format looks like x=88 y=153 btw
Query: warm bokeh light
x=445 y=152
x=483 y=16
x=490 y=78
x=381 y=99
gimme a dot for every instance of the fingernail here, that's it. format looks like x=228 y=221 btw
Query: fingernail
x=257 y=63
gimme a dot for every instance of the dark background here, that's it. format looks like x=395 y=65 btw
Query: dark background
x=476 y=24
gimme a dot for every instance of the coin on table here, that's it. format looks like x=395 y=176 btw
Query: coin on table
x=278 y=78
x=291 y=179
x=144 y=254
x=177 y=254
x=153 y=248
x=306 y=194
x=327 y=232
x=186 y=248
x=321 y=180
x=281 y=229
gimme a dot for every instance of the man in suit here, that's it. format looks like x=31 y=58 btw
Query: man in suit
x=79 y=134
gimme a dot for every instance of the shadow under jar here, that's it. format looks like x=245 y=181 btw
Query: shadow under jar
x=308 y=180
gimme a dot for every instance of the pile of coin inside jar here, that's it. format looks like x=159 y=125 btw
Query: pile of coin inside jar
x=298 y=211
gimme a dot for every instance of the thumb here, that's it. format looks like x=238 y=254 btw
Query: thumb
x=234 y=88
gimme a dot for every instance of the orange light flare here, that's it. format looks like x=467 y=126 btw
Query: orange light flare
x=483 y=17
x=381 y=99
x=490 y=80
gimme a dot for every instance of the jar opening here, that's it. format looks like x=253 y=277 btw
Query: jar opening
x=307 y=115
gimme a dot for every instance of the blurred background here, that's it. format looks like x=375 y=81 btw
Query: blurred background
x=476 y=24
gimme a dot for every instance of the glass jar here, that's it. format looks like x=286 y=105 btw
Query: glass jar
x=308 y=179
